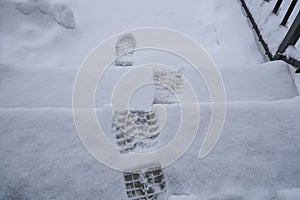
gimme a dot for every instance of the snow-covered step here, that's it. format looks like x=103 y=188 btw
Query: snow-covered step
x=257 y=154
x=33 y=32
x=52 y=87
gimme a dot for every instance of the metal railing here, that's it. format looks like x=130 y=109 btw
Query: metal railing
x=290 y=38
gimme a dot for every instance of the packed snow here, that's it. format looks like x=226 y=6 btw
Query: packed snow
x=42 y=45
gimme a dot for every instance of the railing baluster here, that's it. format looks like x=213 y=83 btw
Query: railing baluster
x=277 y=6
x=291 y=37
x=288 y=12
x=257 y=31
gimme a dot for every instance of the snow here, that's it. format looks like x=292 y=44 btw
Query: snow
x=289 y=194
x=182 y=197
x=42 y=156
x=293 y=52
x=296 y=78
x=52 y=87
x=37 y=40
x=43 y=43
x=58 y=11
x=269 y=23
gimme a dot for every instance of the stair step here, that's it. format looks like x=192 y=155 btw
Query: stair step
x=52 y=87
x=260 y=143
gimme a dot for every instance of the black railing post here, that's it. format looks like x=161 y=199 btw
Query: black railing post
x=257 y=31
x=277 y=6
x=288 y=12
x=291 y=37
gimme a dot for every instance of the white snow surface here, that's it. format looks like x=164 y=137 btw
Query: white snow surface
x=42 y=44
x=257 y=154
x=52 y=87
x=289 y=194
x=181 y=197
x=36 y=40
x=293 y=52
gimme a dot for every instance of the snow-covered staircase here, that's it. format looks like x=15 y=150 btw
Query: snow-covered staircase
x=258 y=149
x=42 y=157
x=53 y=87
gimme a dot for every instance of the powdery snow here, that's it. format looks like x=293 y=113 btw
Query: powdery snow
x=256 y=156
x=289 y=194
x=181 y=197
x=293 y=52
x=36 y=39
x=58 y=11
x=52 y=87
x=43 y=43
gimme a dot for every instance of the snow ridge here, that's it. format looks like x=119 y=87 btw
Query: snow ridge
x=59 y=12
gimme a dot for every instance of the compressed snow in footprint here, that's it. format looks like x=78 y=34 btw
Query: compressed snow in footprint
x=148 y=184
x=135 y=129
x=168 y=84
x=125 y=51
